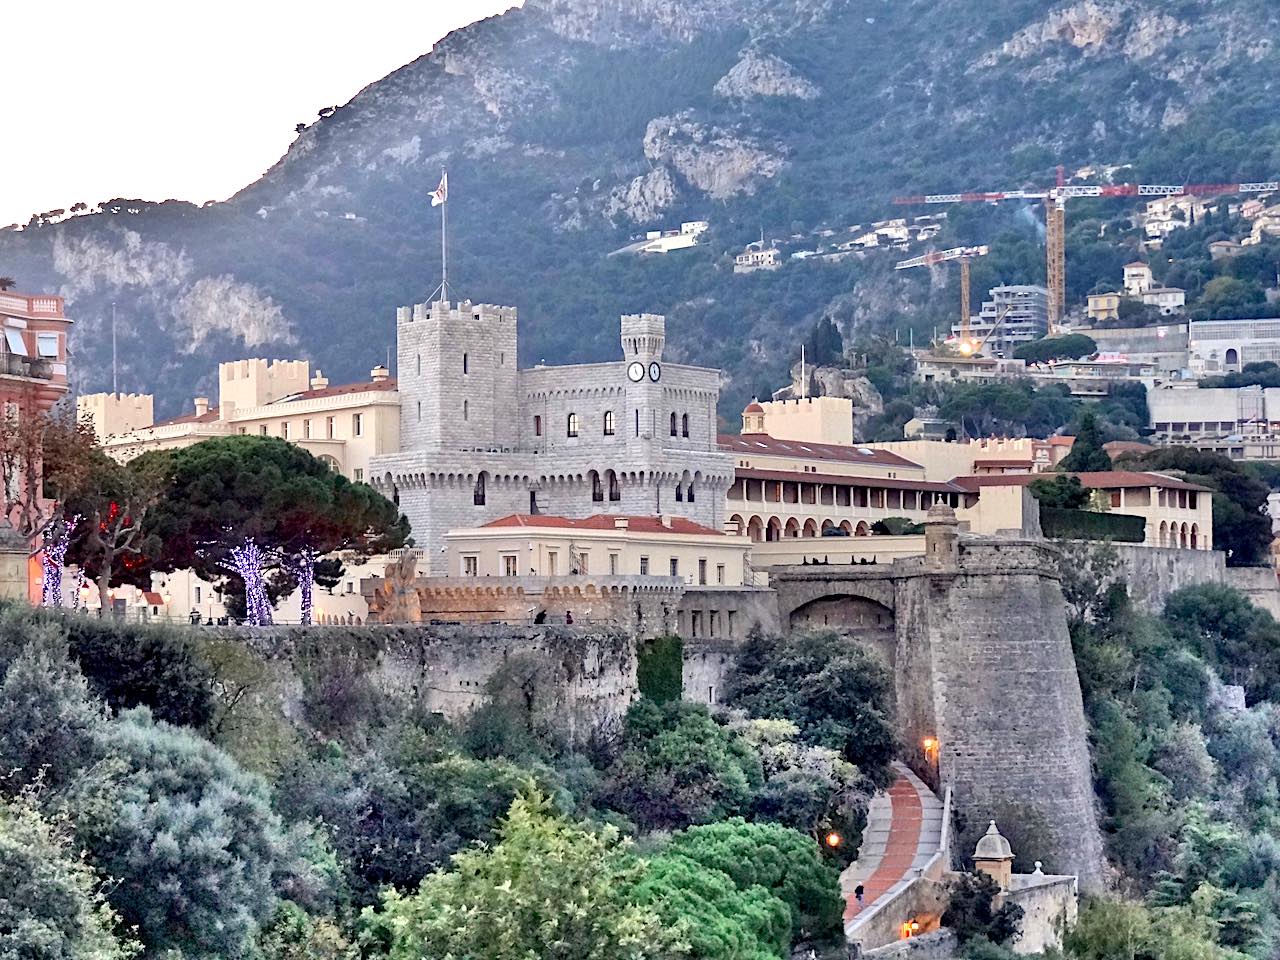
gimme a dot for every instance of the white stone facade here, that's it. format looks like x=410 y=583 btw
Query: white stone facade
x=481 y=439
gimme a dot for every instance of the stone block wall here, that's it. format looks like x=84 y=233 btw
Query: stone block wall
x=1152 y=573
x=444 y=669
x=985 y=658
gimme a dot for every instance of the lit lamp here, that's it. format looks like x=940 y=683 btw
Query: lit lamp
x=930 y=745
x=966 y=347
x=833 y=839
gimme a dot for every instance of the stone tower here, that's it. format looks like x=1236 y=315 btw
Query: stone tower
x=457 y=376
x=643 y=337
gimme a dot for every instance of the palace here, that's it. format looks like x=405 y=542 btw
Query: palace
x=481 y=439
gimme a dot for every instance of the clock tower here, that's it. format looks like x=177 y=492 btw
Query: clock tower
x=643 y=336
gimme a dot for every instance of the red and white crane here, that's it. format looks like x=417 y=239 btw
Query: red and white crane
x=964 y=255
x=1055 y=200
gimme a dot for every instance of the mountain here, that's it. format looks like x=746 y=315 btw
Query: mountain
x=568 y=126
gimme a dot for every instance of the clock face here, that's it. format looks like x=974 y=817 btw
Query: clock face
x=636 y=371
x=655 y=371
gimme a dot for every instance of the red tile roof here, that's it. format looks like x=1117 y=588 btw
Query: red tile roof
x=1010 y=462
x=892 y=483
x=342 y=389
x=1097 y=480
x=763 y=445
x=602 y=521
x=367 y=386
x=153 y=598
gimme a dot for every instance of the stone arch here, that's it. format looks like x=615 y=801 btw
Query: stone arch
x=847 y=611
x=737 y=519
x=773 y=532
x=810 y=528
x=847 y=527
x=1231 y=357
x=1183 y=536
x=862 y=530
x=755 y=529
x=1164 y=533
x=1195 y=536
x=792 y=529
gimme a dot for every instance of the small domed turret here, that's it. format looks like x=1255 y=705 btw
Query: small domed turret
x=994 y=857
x=753 y=418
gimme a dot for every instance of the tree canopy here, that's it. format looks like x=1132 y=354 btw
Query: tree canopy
x=1071 y=347
x=1087 y=454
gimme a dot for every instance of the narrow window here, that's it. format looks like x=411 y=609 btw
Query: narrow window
x=328 y=428
x=262 y=430
x=466 y=410
x=674 y=432
x=306 y=429
x=684 y=425
x=571 y=427
x=597 y=488
x=675 y=566
x=466 y=364
x=613 y=565
x=509 y=565
x=470 y=566
x=478 y=495
x=679 y=493
x=419 y=411
x=702 y=573
x=537 y=426
x=418 y=364
x=615 y=491
x=690 y=497
x=644 y=566
x=359 y=474
x=608 y=423
x=357 y=424
x=637 y=421
x=284 y=430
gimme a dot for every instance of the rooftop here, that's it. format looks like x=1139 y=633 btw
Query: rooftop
x=603 y=521
x=1097 y=480
x=763 y=445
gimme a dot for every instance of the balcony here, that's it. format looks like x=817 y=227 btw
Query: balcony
x=31 y=307
x=31 y=368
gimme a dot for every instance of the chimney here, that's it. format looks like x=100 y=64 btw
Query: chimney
x=665 y=519
x=226 y=409
x=621 y=523
x=379 y=373
x=202 y=406
x=319 y=381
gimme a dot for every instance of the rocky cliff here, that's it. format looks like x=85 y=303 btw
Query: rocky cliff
x=567 y=123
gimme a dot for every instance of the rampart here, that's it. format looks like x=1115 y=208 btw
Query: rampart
x=984 y=674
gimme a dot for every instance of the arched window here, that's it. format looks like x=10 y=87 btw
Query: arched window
x=571 y=427
x=597 y=488
x=615 y=491
x=1232 y=357
x=478 y=495
x=679 y=493
x=466 y=364
x=684 y=425
x=690 y=498
x=673 y=424
x=608 y=423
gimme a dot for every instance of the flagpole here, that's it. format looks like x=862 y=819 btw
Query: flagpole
x=444 y=239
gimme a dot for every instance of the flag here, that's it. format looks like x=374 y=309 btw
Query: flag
x=441 y=193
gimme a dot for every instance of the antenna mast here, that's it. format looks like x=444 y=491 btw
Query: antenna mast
x=115 y=386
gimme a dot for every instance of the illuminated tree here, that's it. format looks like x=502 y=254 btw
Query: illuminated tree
x=44 y=458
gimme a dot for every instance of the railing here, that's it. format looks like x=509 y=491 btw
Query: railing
x=45 y=306
x=16 y=366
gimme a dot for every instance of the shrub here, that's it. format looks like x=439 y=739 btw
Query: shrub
x=660 y=669
x=192 y=841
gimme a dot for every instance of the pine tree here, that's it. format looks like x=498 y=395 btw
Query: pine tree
x=1086 y=453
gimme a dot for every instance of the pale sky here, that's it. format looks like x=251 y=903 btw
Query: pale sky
x=160 y=99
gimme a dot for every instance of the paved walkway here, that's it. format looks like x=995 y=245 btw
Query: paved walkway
x=904 y=830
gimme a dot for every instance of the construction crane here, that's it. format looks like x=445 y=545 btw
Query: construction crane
x=1055 y=200
x=964 y=255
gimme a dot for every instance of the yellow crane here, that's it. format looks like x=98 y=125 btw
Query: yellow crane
x=964 y=255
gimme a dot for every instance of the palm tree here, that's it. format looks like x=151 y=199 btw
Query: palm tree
x=7 y=283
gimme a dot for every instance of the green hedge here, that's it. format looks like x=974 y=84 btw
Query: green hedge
x=1059 y=524
x=660 y=670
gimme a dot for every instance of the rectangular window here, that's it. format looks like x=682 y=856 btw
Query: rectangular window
x=47 y=345
x=644 y=566
x=702 y=573
x=470 y=566
x=613 y=564
x=509 y=565
x=720 y=573
x=675 y=566
x=357 y=424
x=359 y=474
x=553 y=563
x=284 y=430
x=351 y=586
x=17 y=346
x=328 y=428
x=306 y=429
x=537 y=426
x=197 y=593
x=262 y=430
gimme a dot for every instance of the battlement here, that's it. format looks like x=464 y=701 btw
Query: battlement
x=112 y=414
x=465 y=310
x=244 y=384
x=643 y=335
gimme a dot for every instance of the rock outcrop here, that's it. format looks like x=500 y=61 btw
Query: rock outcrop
x=644 y=199
x=715 y=160
x=760 y=74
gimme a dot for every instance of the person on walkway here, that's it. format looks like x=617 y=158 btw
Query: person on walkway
x=568 y=617
x=858 y=891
